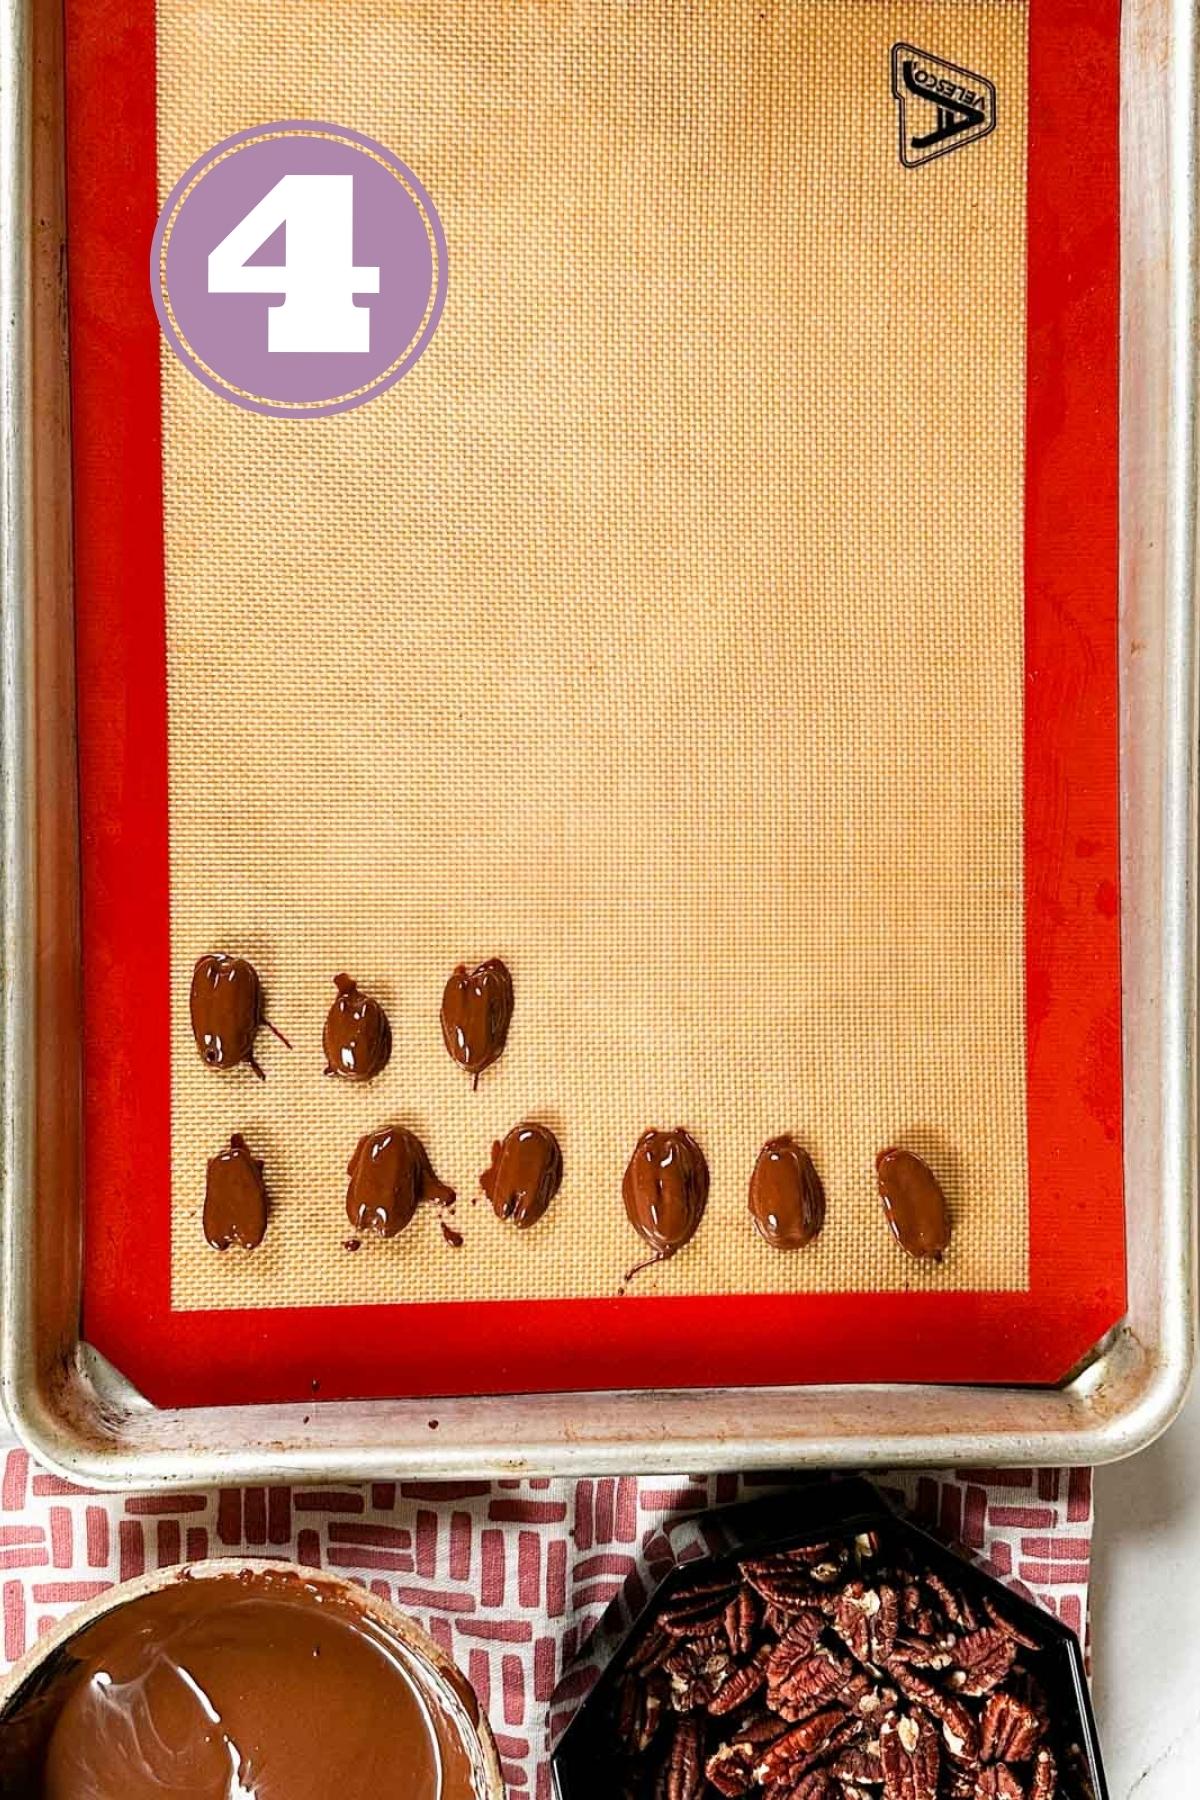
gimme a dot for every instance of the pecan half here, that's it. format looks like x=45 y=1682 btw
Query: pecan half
x=695 y=1671
x=742 y=1616
x=910 y=1758
x=935 y=1653
x=792 y=1754
x=1009 y=1730
x=794 y=1648
x=867 y=1619
x=759 y=1729
x=705 y=1587
x=640 y=1707
x=782 y=1582
x=815 y=1556
x=998 y=1783
x=956 y=1606
x=741 y=1685
x=695 y=1616
x=982 y=1660
x=814 y=1680
x=1044 y=1785
x=682 y=1775
x=859 y=1765
x=731 y=1766
x=1006 y=1625
x=730 y=1772
x=958 y=1727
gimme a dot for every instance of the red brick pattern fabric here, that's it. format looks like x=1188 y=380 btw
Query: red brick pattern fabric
x=510 y=1576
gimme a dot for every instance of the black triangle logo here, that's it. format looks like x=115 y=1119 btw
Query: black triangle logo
x=942 y=106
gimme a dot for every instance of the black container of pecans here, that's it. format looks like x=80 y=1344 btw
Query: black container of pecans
x=827 y=1649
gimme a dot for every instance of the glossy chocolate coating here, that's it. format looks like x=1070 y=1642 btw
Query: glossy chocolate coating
x=666 y=1190
x=787 y=1201
x=227 y=1010
x=477 y=1009
x=257 y=1685
x=390 y=1175
x=235 y=1198
x=525 y=1174
x=914 y=1203
x=357 y=1036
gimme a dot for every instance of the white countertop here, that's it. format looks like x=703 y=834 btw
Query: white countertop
x=1146 y=1617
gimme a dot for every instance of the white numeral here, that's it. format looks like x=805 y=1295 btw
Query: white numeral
x=317 y=277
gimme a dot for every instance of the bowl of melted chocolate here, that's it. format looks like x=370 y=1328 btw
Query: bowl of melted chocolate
x=242 y=1681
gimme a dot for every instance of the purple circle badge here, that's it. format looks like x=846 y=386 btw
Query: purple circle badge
x=298 y=269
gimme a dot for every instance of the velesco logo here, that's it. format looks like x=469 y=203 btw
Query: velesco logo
x=942 y=107
x=298 y=269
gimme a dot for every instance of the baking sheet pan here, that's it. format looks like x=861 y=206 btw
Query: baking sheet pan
x=713 y=792
x=1124 y=1393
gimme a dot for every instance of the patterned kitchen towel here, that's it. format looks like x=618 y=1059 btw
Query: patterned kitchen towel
x=509 y=1576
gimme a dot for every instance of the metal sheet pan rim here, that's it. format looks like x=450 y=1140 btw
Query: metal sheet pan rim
x=83 y=1419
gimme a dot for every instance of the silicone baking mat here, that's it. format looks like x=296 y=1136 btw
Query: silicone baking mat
x=718 y=624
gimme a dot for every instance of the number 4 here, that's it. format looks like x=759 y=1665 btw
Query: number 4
x=317 y=278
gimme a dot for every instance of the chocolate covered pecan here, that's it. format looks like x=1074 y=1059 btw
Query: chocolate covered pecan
x=914 y=1204
x=525 y=1174
x=357 y=1038
x=477 y=1010
x=235 y=1198
x=787 y=1201
x=226 y=1007
x=665 y=1192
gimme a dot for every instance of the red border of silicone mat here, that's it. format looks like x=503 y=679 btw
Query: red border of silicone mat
x=1077 y=1220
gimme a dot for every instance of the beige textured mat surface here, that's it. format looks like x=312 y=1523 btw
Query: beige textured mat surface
x=660 y=633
